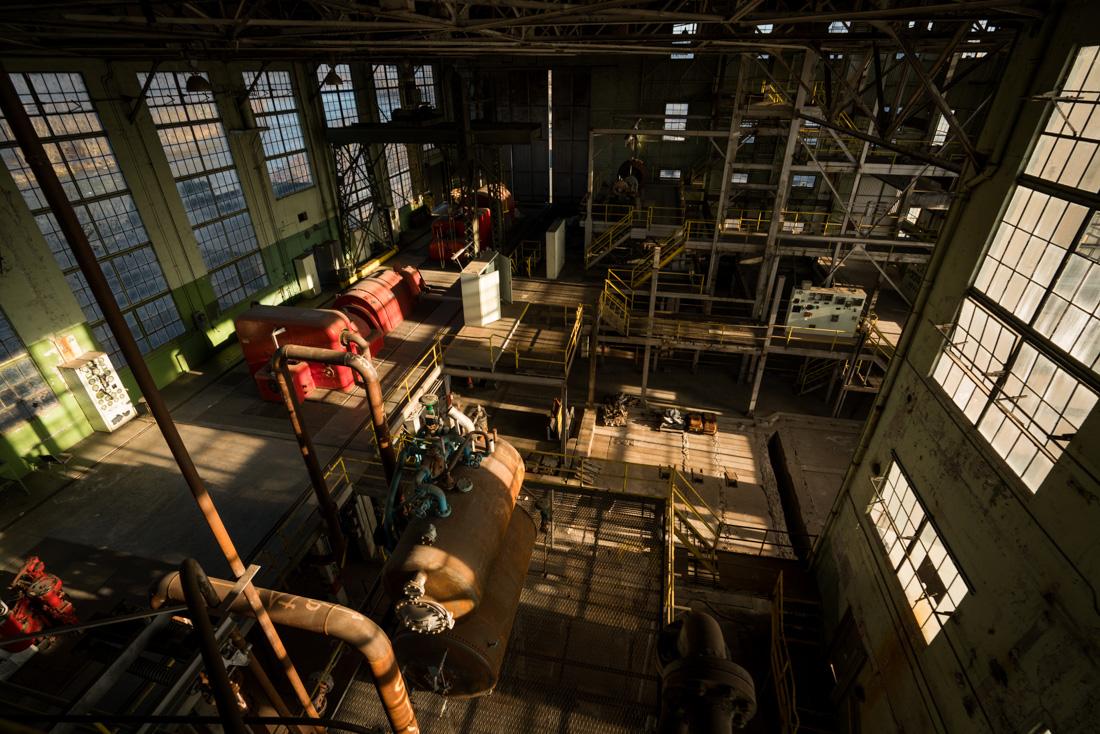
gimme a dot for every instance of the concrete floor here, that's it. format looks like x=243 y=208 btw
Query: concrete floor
x=122 y=491
x=118 y=514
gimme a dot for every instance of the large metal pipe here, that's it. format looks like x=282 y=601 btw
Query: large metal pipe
x=331 y=620
x=200 y=596
x=280 y=367
x=702 y=690
x=70 y=226
x=365 y=369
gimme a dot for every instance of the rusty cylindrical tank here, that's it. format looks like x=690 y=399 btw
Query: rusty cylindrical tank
x=466 y=661
x=446 y=579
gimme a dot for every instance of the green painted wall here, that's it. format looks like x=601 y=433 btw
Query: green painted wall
x=38 y=301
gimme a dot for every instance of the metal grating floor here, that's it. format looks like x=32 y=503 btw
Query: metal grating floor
x=580 y=659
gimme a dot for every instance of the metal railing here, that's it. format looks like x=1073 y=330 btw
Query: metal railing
x=690 y=526
x=409 y=381
x=526 y=256
x=781 y=668
x=669 y=603
x=609 y=239
x=508 y=347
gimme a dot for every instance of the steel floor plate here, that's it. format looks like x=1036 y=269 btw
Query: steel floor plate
x=580 y=658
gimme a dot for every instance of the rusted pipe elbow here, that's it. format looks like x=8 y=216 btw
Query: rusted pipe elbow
x=325 y=618
x=364 y=367
x=347 y=336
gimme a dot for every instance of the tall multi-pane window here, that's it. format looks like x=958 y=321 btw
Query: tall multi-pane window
x=338 y=100
x=23 y=392
x=275 y=109
x=397 y=164
x=387 y=90
x=197 y=149
x=675 y=119
x=1022 y=361
x=424 y=77
x=73 y=136
x=928 y=575
x=341 y=110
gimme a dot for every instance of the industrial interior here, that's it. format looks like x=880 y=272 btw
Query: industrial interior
x=590 y=367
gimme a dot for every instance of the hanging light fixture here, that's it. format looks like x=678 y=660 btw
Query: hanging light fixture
x=198 y=83
x=332 y=79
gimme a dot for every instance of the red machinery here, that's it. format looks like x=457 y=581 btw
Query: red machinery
x=263 y=329
x=449 y=234
x=373 y=307
x=378 y=303
x=40 y=603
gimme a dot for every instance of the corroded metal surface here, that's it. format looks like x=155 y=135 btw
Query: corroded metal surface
x=580 y=657
x=466 y=661
x=458 y=562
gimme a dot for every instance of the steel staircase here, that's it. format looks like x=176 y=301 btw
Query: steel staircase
x=696 y=526
x=608 y=240
x=671 y=248
x=815 y=374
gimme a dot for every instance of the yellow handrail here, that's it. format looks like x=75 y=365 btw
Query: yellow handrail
x=607 y=239
x=782 y=670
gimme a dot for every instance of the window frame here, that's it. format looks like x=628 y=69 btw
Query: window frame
x=909 y=543
x=280 y=135
x=148 y=340
x=13 y=416
x=689 y=29
x=191 y=119
x=428 y=84
x=675 y=120
x=1023 y=326
x=390 y=92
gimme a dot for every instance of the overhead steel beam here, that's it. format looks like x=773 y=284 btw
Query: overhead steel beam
x=874 y=140
x=660 y=131
x=937 y=97
x=484 y=133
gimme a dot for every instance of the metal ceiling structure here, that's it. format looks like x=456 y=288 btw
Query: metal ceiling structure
x=326 y=30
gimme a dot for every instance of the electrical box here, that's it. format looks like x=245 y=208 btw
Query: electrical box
x=98 y=391
x=309 y=280
x=555 y=249
x=835 y=309
x=480 y=282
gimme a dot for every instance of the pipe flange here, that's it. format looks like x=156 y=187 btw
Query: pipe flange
x=424 y=616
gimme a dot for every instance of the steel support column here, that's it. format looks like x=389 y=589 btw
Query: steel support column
x=727 y=174
x=649 y=321
x=591 y=184
x=762 y=360
x=771 y=254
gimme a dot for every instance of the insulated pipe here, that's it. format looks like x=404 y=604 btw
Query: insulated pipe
x=331 y=620
x=461 y=419
x=70 y=226
x=280 y=367
x=369 y=374
x=200 y=596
